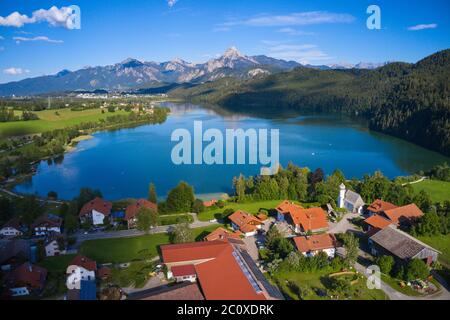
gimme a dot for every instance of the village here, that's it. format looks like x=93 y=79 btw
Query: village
x=239 y=256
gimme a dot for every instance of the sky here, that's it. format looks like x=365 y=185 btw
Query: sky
x=37 y=37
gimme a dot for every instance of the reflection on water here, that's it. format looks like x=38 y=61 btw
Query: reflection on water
x=122 y=163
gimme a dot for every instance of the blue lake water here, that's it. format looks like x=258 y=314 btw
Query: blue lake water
x=122 y=163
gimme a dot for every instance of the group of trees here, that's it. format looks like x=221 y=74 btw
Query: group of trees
x=8 y=115
x=435 y=222
x=440 y=172
x=413 y=270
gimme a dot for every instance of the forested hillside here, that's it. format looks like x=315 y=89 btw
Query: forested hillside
x=410 y=101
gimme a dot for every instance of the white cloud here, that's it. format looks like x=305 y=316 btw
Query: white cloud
x=293 y=19
x=53 y=16
x=40 y=38
x=302 y=53
x=171 y=3
x=293 y=32
x=423 y=27
x=15 y=71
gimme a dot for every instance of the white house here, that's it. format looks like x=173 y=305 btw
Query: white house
x=95 y=212
x=80 y=269
x=310 y=246
x=11 y=229
x=350 y=200
x=52 y=248
x=47 y=225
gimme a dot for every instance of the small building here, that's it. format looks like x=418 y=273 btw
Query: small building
x=132 y=211
x=403 y=216
x=80 y=269
x=47 y=225
x=378 y=206
x=310 y=246
x=285 y=208
x=25 y=279
x=376 y=223
x=222 y=234
x=95 y=212
x=402 y=246
x=184 y=273
x=11 y=229
x=312 y=220
x=210 y=203
x=350 y=200
x=52 y=247
x=245 y=223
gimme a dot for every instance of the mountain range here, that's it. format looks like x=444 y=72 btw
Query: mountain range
x=132 y=74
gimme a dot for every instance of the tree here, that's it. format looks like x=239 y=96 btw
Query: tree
x=52 y=195
x=351 y=245
x=145 y=219
x=386 y=263
x=239 y=185
x=198 y=206
x=6 y=210
x=29 y=208
x=180 y=199
x=70 y=223
x=281 y=248
x=152 y=197
x=181 y=233
x=271 y=236
x=416 y=269
x=429 y=225
x=423 y=201
x=86 y=195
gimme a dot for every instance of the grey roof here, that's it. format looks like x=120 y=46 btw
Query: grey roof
x=14 y=248
x=399 y=243
x=354 y=198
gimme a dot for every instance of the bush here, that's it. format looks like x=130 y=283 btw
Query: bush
x=416 y=270
x=386 y=263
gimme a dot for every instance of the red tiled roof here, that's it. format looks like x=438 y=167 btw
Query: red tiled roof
x=310 y=219
x=133 y=209
x=379 y=205
x=182 y=271
x=222 y=234
x=84 y=262
x=378 y=222
x=210 y=203
x=245 y=221
x=315 y=242
x=409 y=212
x=223 y=279
x=287 y=207
x=263 y=217
x=28 y=275
x=192 y=251
x=99 y=205
x=48 y=220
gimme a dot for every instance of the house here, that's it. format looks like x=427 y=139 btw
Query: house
x=25 y=279
x=132 y=211
x=222 y=234
x=223 y=271
x=46 y=225
x=350 y=200
x=87 y=292
x=210 y=203
x=52 y=247
x=376 y=223
x=13 y=253
x=405 y=215
x=11 y=229
x=285 y=208
x=310 y=246
x=95 y=212
x=378 y=206
x=312 y=220
x=185 y=273
x=80 y=269
x=180 y=292
x=245 y=223
x=402 y=246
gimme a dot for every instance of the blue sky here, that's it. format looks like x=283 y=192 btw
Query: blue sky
x=309 y=31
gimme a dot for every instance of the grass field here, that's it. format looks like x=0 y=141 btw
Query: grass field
x=439 y=191
x=315 y=281
x=131 y=249
x=441 y=243
x=251 y=207
x=49 y=120
x=57 y=264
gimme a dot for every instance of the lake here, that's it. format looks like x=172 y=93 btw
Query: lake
x=122 y=163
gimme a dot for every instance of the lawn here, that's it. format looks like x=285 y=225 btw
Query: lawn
x=251 y=207
x=123 y=250
x=395 y=284
x=439 y=191
x=49 y=120
x=315 y=282
x=57 y=264
x=441 y=243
